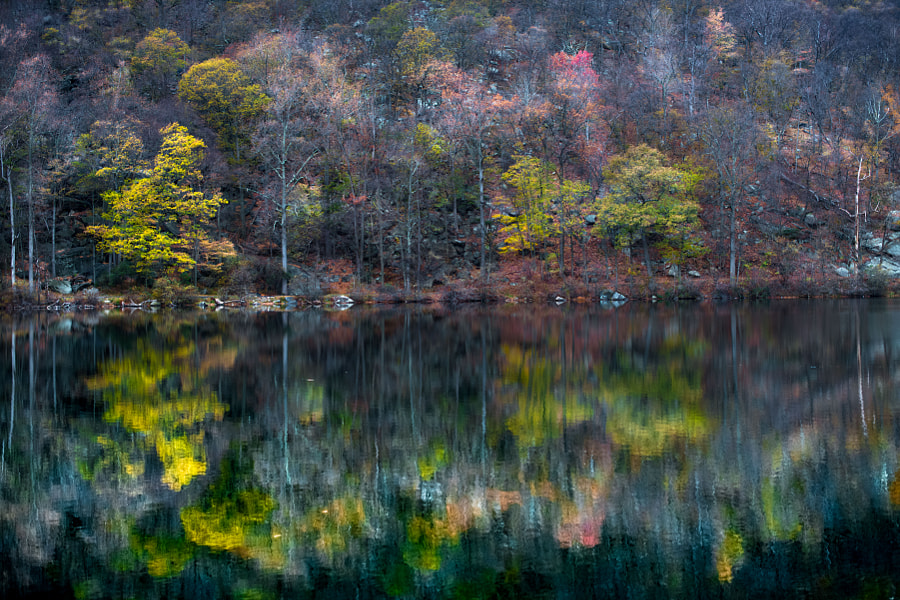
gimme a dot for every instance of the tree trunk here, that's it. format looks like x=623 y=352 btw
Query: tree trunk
x=647 y=255
x=284 y=265
x=30 y=199
x=418 y=242
x=732 y=267
x=6 y=173
x=856 y=218
x=53 y=239
x=12 y=385
x=481 y=220
x=380 y=238
x=562 y=255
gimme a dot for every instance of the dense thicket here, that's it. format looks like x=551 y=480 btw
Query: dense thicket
x=419 y=143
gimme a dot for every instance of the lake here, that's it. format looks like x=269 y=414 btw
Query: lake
x=646 y=451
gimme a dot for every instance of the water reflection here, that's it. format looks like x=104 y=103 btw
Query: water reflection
x=645 y=452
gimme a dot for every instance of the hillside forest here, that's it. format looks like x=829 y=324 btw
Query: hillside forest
x=457 y=147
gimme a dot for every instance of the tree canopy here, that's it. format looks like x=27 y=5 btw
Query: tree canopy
x=157 y=222
x=646 y=197
x=224 y=97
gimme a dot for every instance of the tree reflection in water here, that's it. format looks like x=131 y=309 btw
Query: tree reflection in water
x=650 y=451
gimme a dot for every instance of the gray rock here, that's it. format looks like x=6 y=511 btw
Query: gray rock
x=694 y=273
x=842 y=271
x=891 y=268
x=60 y=285
x=810 y=220
x=343 y=300
x=893 y=217
x=893 y=250
x=870 y=242
x=617 y=297
x=673 y=271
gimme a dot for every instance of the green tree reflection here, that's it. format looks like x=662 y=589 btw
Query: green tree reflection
x=652 y=407
x=234 y=516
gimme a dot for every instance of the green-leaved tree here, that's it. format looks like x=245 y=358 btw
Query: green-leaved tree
x=157 y=61
x=646 y=197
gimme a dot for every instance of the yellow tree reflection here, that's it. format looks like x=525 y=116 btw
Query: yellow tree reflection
x=651 y=409
x=158 y=393
x=534 y=385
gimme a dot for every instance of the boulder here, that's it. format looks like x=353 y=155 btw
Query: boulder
x=893 y=218
x=871 y=243
x=339 y=301
x=893 y=250
x=61 y=286
x=888 y=267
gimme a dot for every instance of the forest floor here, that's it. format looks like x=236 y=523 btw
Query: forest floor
x=526 y=281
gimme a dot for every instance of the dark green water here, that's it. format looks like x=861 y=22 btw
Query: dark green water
x=528 y=452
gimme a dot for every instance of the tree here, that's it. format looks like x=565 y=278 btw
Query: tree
x=386 y=28
x=575 y=128
x=281 y=144
x=731 y=139
x=6 y=175
x=104 y=158
x=229 y=102
x=110 y=154
x=157 y=222
x=417 y=51
x=646 y=196
x=659 y=63
x=225 y=98
x=575 y=133
x=470 y=115
x=774 y=94
x=345 y=132
x=33 y=100
x=537 y=186
x=157 y=61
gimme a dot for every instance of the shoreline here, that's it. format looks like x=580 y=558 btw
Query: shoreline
x=634 y=289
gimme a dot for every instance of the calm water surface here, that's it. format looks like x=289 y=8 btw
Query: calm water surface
x=527 y=452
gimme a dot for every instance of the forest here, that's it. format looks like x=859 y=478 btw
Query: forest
x=460 y=149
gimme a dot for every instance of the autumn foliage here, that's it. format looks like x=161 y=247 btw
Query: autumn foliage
x=454 y=143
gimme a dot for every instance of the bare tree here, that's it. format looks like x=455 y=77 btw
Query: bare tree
x=731 y=138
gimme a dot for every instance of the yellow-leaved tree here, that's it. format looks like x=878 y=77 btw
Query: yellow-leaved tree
x=158 y=222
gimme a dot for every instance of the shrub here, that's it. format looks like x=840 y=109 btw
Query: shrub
x=877 y=281
x=171 y=293
x=759 y=290
x=88 y=297
x=682 y=291
x=240 y=280
x=117 y=276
